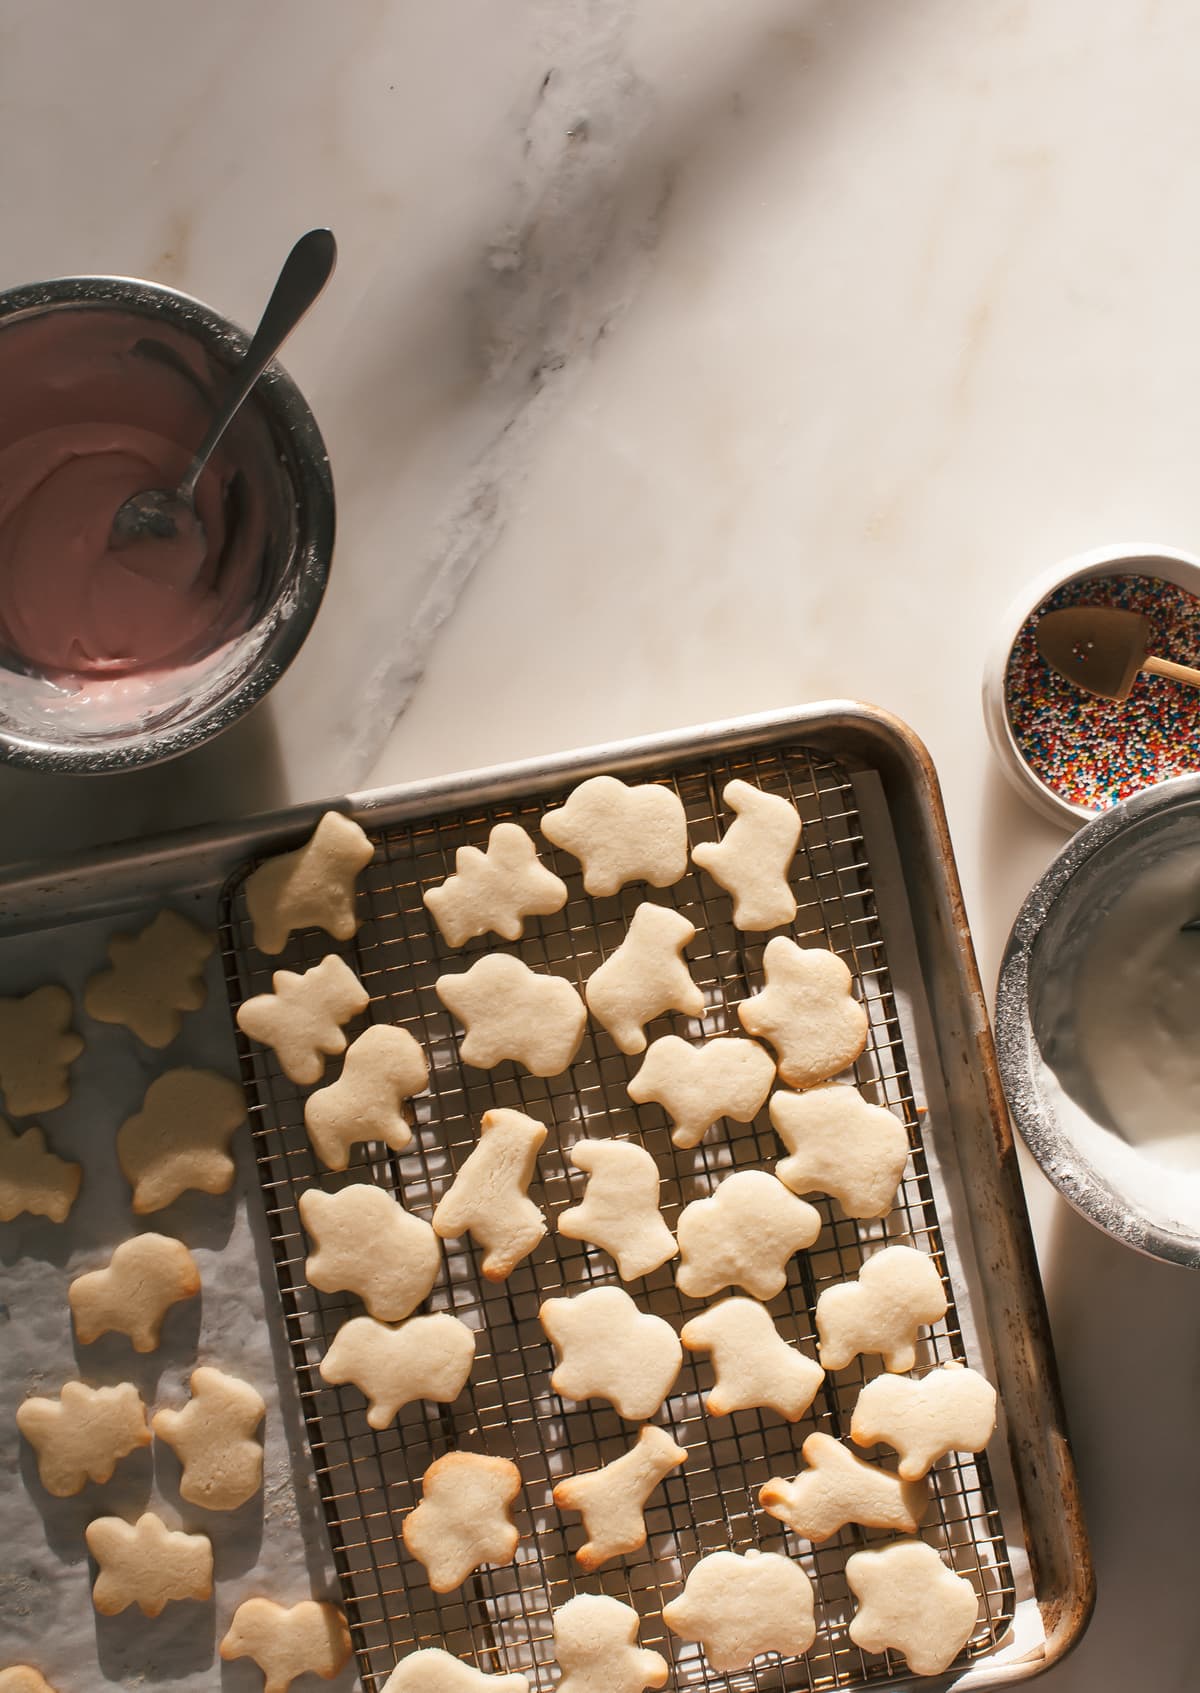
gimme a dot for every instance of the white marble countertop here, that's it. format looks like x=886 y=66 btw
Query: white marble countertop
x=684 y=360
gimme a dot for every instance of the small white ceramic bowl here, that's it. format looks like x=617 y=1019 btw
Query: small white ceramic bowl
x=1167 y=564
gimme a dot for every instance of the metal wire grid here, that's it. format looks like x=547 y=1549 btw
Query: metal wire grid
x=502 y=1618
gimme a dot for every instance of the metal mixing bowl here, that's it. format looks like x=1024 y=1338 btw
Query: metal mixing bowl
x=1034 y=1028
x=276 y=447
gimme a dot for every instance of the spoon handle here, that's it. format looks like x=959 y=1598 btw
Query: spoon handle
x=305 y=272
x=1176 y=672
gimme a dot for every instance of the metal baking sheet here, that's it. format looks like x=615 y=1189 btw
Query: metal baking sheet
x=502 y=1619
x=53 y=922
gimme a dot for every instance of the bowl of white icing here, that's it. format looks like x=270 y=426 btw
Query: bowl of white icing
x=1098 y=1022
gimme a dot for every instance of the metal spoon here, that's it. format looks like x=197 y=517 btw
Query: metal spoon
x=165 y=513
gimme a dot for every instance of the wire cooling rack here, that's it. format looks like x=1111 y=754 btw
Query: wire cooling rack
x=501 y=1619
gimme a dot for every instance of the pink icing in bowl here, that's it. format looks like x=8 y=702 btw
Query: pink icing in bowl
x=112 y=658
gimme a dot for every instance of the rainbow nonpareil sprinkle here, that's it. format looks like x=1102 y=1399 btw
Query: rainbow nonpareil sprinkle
x=1093 y=752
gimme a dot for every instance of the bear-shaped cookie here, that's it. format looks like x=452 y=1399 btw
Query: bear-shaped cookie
x=807 y=1012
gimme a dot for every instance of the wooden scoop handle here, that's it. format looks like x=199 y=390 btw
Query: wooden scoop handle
x=1176 y=672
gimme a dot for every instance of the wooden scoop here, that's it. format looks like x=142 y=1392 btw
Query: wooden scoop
x=1103 y=650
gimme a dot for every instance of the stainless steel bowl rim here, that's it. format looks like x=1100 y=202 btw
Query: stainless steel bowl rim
x=315 y=503
x=1016 y=1046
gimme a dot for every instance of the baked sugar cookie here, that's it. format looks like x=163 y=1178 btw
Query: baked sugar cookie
x=214 y=1437
x=752 y=861
x=425 y=1358
x=897 y=1291
x=435 y=1671
x=286 y=1641
x=83 y=1434
x=952 y=1409
x=495 y=891
x=696 y=1085
x=153 y=978
x=365 y=1242
x=619 y=1211
x=488 y=1199
x=511 y=1011
x=838 y=1487
x=645 y=977
x=909 y=1602
x=612 y=1500
x=383 y=1068
x=146 y=1564
x=807 y=1012
x=740 y=1605
x=133 y=1293
x=755 y=1366
x=23 y=1678
x=303 y=1015
x=621 y=834
x=37 y=1048
x=596 y=1644
x=33 y=1179
x=180 y=1139
x=464 y=1519
x=840 y=1145
x=608 y=1349
x=311 y=888
x=744 y=1235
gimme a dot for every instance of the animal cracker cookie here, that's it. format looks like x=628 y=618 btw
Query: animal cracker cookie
x=695 y=1085
x=840 y=1144
x=302 y=1017
x=621 y=834
x=463 y=1520
x=608 y=1349
x=744 y=1235
x=752 y=861
x=435 y=1671
x=288 y=1640
x=612 y=1500
x=83 y=1434
x=425 y=1358
x=807 y=1012
x=153 y=978
x=739 y=1605
x=619 y=1211
x=214 y=1438
x=645 y=977
x=511 y=1011
x=365 y=1242
x=754 y=1365
x=180 y=1138
x=897 y=1291
x=383 y=1067
x=145 y=1276
x=838 y=1487
x=23 y=1678
x=909 y=1602
x=146 y=1564
x=487 y=1198
x=33 y=1179
x=595 y=1642
x=952 y=1409
x=310 y=888
x=495 y=891
x=37 y=1048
